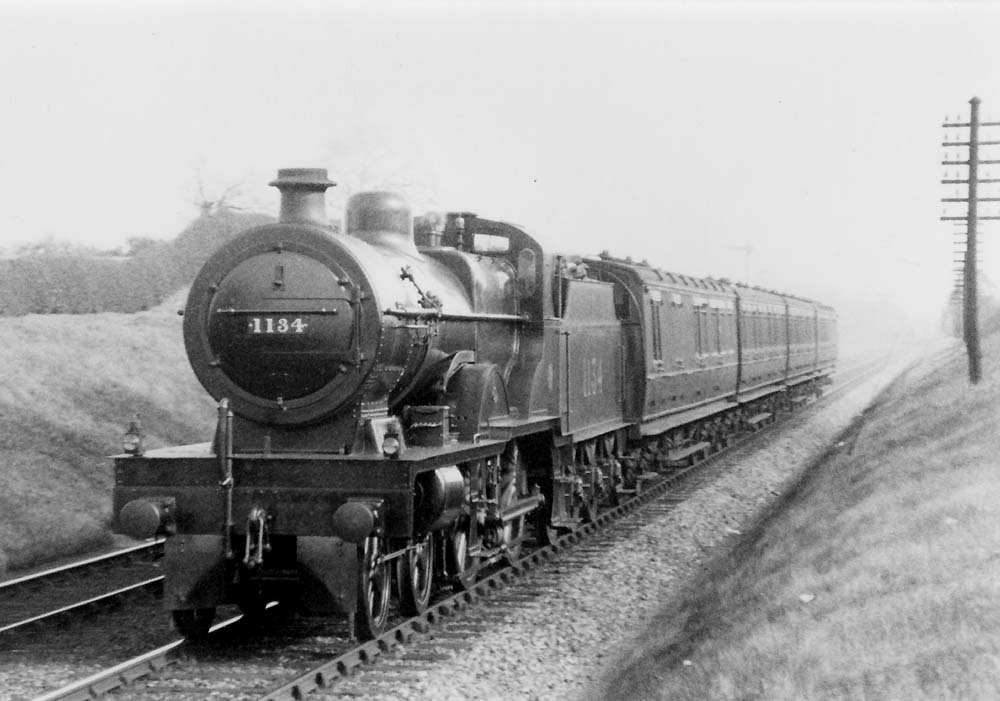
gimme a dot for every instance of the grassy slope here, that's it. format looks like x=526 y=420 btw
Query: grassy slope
x=68 y=386
x=878 y=578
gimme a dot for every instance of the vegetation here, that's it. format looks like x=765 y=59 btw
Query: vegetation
x=60 y=279
x=70 y=385
x=75 y=370
x=876 y=578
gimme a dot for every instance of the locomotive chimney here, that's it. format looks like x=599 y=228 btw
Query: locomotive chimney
x=382 y=219
x=303 y=195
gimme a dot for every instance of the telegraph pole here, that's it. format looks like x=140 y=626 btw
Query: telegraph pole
x=967 y=284
x=971 y=307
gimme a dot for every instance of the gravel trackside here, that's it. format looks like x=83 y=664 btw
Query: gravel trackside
x=560 y=644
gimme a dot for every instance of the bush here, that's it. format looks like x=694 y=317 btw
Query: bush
x=60 y=280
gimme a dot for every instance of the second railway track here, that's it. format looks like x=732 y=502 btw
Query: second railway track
x=55 y=595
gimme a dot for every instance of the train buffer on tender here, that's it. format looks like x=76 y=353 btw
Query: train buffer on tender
x=642 y=482
x=758 y=420
x=679 y=456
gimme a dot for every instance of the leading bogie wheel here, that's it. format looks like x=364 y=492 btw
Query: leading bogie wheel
x=462 y=565
x=514 y=528
x=251 y=601
x=193 y=623
x=415 y=576
x=374 y=585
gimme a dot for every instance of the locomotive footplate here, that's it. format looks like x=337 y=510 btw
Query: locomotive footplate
x=299 y=492
x=247 y=536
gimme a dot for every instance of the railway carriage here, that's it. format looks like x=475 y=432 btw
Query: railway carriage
x=400 y=406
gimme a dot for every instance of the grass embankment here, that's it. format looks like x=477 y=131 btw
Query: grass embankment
x=68 y=387
x=877 y=577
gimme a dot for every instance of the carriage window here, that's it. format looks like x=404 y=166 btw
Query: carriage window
x=654 y=328
x=697 y=331
x=718 y=330
x=702 y=331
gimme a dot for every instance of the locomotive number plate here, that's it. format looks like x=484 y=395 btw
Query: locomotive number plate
x=276 y=325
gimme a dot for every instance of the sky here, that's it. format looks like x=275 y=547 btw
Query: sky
x=682 y=133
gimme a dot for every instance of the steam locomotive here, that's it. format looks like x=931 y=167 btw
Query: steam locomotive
x=401 y=405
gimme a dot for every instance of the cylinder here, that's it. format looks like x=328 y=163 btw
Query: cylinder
x=303 y=195
x=440 y=498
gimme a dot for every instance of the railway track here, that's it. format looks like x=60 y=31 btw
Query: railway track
x=58 y=594
x=411 y=644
